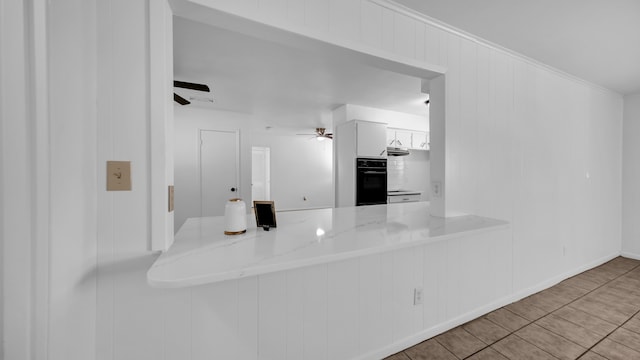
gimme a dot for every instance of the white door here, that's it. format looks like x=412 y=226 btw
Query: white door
x=260 y=173
x=219 y=170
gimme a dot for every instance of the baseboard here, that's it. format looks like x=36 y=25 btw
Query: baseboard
x=457 y=321
x=433 y=331
x=630 y=255
x=553 y=281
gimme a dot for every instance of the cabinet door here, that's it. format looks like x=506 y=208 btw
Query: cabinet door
x=420 y=140
x=391 y=137
x=371 y=139
x=403 y=138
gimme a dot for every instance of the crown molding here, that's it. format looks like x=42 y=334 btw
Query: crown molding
x=423 y=18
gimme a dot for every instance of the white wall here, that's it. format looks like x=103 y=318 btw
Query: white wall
x=300 y=167
x=47 y=58
x=15 y=186
x=524 y=143
x=124 y=308
x=73 y=179
x=631 y=177
x=189 y=120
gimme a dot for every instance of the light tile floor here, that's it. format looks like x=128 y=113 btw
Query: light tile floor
x=593 y=315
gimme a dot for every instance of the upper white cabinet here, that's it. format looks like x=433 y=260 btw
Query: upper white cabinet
x=371 y=139
x=420 y=140
x=391 y=137
x=398 y=138
x=416 y=140
x=403 y=138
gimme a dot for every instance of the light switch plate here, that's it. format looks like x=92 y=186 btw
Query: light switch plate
x=170 y=198
x=118 y=175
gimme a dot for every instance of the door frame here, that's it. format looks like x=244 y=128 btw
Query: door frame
x=267 y=151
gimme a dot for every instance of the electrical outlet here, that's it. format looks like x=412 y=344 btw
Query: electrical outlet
x=417 y=296
x=436 y=189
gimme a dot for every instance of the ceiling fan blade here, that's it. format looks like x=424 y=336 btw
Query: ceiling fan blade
x=180 y=100
x=191 y=86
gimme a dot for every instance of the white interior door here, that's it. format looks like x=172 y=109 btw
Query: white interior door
x=219 y=170
x=260 y=173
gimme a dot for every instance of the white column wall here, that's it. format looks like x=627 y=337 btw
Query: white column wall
x=631 y=177
x=73 y=179
x=524 y=143
x=16 y=209
x=125 y=304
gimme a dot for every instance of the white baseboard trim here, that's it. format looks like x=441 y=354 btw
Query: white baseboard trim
x=554 y=280
x=457 y=321
x=630 y=255
x=434 y=330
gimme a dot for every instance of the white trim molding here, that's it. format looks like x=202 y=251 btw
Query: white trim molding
x=416 y=15
x=160 y=123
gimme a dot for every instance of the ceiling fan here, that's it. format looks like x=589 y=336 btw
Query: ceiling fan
x=187 y=85
x=321 y=134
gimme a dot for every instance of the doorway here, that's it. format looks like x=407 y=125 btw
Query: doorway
x=219 y=170
x=260 y=173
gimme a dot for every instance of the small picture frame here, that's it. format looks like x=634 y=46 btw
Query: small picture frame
x=265 y=214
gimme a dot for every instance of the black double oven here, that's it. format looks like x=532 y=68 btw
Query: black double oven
x=371 y=181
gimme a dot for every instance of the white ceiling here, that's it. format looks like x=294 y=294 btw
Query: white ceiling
x=282 y=86
x=595 y=40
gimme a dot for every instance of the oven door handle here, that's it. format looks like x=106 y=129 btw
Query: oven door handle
x=374 y=172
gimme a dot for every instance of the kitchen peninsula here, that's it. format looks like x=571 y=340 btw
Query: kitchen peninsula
x=202 y=253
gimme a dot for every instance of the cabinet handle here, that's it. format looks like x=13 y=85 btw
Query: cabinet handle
x=383 y=152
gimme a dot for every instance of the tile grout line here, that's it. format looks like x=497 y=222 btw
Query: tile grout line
x=582 y=296
x=619 y=326
x=502 y=338
x=549 y=313
x=612 y=331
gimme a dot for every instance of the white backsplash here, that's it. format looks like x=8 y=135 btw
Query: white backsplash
x=395 y=173
x=409 y=172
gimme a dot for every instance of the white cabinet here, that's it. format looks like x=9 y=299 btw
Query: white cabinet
x=399 y=138
x=391 y=137
x=371 y=139
x=355 y=139
x=403 y=138
x=420 y=140
x=411 y=139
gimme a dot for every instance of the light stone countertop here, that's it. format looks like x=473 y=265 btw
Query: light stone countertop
x=202 y=253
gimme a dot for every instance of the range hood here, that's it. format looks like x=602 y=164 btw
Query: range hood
x=397 y=151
